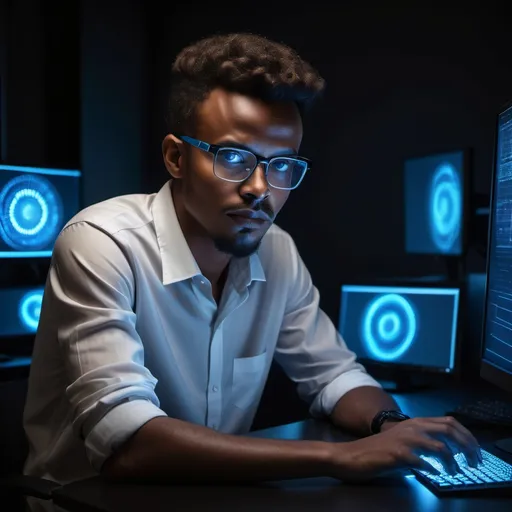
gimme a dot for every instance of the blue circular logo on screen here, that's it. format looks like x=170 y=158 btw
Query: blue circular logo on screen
x=445 y=207
x=29 y=309
x=30 y=213
x=388 y=327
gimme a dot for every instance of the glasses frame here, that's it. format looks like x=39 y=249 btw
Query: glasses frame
x=214 y=149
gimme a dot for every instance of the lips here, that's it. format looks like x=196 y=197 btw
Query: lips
x=249 y=218
x=257 y=216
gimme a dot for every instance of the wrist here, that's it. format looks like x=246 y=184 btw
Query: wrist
x=325 y=458
x=340 y=459
x=388 y=424
x=384 y=416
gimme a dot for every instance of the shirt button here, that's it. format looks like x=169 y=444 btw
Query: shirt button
x=201 y=281
x=215 y=389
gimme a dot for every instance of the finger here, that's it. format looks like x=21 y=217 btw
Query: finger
x=439 y=450
x=471 y=439
x=422 y=465
x=447 y=429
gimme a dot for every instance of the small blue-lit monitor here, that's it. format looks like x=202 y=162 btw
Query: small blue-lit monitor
x=20 y=308
x=436 y=204
x=35 y=204
x=410 y=326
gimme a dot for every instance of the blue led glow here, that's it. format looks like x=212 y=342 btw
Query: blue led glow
x=414 y=290
x=445 y=207
x=30 y=309
x=41 y=170
x=388 y=326
x=30 y=213
x=25 y=254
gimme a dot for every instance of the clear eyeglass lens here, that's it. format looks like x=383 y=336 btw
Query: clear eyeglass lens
x=234 y=164
x=237 y=165
x=286 y=172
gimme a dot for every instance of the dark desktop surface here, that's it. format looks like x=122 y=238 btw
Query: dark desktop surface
x=397 y=492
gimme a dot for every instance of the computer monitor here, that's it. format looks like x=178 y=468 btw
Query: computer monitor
x=21 y=307
x=410 y=327
x=436 y=190
x=496 y=364
x=35 y=204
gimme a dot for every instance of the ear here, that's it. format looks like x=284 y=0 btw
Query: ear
x=172 y=149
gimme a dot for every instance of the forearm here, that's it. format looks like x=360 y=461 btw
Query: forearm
x=356 y=409
x=169 y=450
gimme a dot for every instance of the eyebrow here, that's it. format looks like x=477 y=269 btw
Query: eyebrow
x=238 y=145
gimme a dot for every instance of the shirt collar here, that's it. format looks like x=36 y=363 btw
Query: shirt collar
x=178 y=262
x=243 y=271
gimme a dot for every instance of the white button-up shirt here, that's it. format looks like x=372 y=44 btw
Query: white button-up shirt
x=129 y=331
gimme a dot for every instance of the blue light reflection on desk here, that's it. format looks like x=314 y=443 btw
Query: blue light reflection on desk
x=35 y=203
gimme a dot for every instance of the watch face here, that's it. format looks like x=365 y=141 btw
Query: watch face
x=396 y=415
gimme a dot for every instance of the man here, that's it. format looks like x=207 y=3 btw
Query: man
x=162 y=313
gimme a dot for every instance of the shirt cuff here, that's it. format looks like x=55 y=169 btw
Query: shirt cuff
x=327 y=399
x=116 y=427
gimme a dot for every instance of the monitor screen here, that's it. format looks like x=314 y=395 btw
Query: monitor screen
x=401 y=325
x=435 y=204
x=35 y=204
x=20 y=310
x=497 y=332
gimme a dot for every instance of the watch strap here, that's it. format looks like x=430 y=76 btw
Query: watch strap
x=383 y=416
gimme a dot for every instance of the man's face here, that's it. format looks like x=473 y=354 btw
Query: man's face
x=266 y=129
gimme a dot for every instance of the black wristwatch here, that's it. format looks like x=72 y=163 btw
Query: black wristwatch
x=383 y=416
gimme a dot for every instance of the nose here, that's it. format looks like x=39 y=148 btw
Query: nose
x=256 y=187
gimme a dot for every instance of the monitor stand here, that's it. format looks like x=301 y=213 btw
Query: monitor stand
x=400 y=384
x=505 y=445
x=455 y=268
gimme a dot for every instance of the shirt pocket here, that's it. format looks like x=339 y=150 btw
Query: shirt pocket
x=248 y=374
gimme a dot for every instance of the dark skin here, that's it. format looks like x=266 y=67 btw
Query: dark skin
x=201 y=199
x=171 y=450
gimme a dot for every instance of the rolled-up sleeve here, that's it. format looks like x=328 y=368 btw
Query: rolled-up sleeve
x=90 y=290
x=310 y=349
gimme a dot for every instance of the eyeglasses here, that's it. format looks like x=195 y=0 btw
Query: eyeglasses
x=237 y=165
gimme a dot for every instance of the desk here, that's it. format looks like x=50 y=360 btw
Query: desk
x=398 y=492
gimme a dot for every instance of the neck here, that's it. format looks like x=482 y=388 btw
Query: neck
x=212 y=262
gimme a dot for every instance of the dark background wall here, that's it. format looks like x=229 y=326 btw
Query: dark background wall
x=85 y=86
x=401 y=82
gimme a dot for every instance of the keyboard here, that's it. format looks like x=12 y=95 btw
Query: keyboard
x=491 y=474
x=484 y=412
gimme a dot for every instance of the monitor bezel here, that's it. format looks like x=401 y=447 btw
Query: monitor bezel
x=440 y=282
x=489 y=371
x=467 y=172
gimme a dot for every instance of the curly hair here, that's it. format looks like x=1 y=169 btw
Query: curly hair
x=244 y=63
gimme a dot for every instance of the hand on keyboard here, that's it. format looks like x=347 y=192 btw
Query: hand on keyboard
x=403 y=445
x=493 y=472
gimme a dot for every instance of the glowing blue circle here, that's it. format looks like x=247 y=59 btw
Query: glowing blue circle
x=30 y=309
x=445 y=207
x=388 y=326
x=30 y=213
